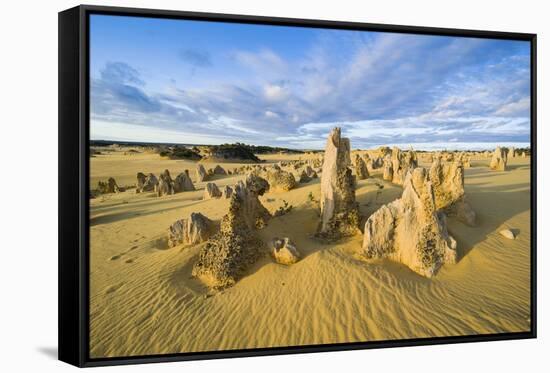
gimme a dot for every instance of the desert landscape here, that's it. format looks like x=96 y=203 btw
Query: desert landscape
x=202 y=248
x=259 y=186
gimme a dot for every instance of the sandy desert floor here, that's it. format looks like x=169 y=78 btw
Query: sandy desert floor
x=144 y=301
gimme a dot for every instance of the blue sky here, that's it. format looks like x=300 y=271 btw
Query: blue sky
x=160 y=80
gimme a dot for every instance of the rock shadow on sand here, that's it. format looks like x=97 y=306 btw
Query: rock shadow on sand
x=509 y=201
x=120 y=216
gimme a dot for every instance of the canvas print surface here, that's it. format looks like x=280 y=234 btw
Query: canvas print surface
x=258 y=186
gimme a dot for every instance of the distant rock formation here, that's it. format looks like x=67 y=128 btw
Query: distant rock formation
x=402 y=162
x=165 y=185
x=410 y=230
x=140 y=181
x=229 y=152
x=339 y=212
x=523 y=155
x=227 y=192
x=387 y=172
x=211 y=191
x=361 y=170
x=218 y=170
x=284 y=251
x=378 y=163
x=108 y=187
x=383 y=151
x=304 y=178
x=511 y=152
x=499 y=159
x=147 y=184
x=464 y=159
x=193 y=230
x=201 y=173
x=310 y=172
x=280 y=181
x=448 y=186
x=183 y=183
x=371 y=163
x=231 y=251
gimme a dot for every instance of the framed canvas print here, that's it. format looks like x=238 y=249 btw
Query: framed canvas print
x=238 y=185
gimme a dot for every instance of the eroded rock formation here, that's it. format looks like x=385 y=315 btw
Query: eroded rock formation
x=183 y=183
x=310 y=172
x=201 y=173
x=361 y=170
x=165 y=185
x=147 y=184
x=499 y=159
x=218 y=170
x=140 y=181
x=211 y=191
x=236 y=246
x=410 y=230
x=193 y=230
x=387 y=172
x=402 y=162
x=284 y=251
x=512 y=152
x=110 y=186
x=280 y=181
x=339 y=213
x=448 y=186
x=304 y=178
x=227 y=191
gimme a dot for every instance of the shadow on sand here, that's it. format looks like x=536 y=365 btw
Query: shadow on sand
x=114 y=217
x=493 y=208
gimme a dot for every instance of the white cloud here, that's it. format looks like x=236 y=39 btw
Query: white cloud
x=275 y=92
x=389 y=88
x=520 y=106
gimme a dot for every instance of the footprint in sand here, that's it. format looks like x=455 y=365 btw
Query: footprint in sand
x=115 y=257
x=129 y=261
x=133 y=248
x=112 y=289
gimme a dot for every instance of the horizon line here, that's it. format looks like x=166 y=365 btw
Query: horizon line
x=420 y=146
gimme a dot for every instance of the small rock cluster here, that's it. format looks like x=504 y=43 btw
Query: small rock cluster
x=110 y=186
x=164 y=185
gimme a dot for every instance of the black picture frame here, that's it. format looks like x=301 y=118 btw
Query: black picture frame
x=74 y=113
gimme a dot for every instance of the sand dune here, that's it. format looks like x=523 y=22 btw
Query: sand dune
x=144 y=301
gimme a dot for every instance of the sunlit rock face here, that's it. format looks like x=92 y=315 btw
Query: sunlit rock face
x=410 y=230
x=361 y=170
x=339 y=213
x=402 y=162
x=448 y=185
x=499 y=159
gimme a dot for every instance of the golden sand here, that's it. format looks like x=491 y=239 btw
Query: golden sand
x=144 y=301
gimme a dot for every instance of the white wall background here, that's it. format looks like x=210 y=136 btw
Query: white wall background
x=28 y=186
